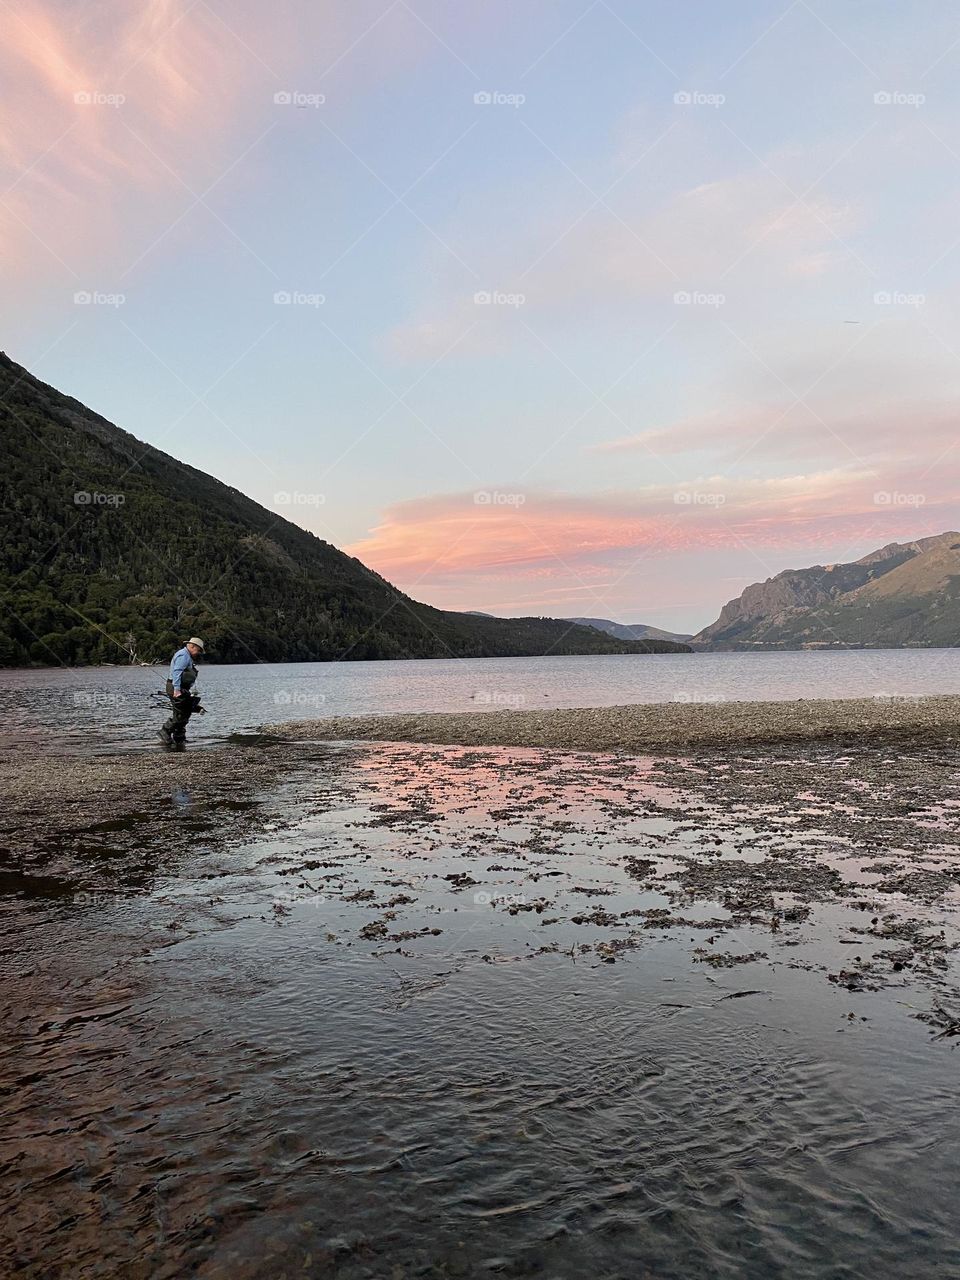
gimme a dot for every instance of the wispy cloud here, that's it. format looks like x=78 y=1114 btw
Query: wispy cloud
x=744 y=234
x=511 y=534
x=116 y=116
x=784 y=429
x=104 y=108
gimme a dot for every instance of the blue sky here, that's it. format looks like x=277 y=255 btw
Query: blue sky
x=720 y=242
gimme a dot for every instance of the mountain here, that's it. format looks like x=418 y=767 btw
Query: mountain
x=630 y=630
x=905 y=594
x=115 y=551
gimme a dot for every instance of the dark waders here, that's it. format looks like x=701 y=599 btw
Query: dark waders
x=182 y=707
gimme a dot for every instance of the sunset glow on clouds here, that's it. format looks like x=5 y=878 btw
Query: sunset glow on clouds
x=684 y=282
x=97 y=109
x=505 y=542
x=118 y=117
x=502 y=529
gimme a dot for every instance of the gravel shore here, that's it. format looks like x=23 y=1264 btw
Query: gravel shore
x=667 y=728
x=52 y=801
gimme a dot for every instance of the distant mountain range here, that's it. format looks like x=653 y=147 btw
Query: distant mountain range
x=113 y=551
x=904 y=595
x=630 y=630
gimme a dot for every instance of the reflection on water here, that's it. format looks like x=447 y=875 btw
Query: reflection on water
x=92 y=708
x=446 y=1013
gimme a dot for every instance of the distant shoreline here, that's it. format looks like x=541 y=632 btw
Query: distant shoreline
x=699 y=650
x=331 y=662
x=666 y=728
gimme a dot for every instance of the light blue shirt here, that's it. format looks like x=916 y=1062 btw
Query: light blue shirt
x=180 y=663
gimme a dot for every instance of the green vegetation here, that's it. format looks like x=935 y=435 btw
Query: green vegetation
x=161 y=551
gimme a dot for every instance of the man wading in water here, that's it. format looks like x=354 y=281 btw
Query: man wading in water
x=183 y=673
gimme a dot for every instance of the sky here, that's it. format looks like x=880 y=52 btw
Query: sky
x=557 y=307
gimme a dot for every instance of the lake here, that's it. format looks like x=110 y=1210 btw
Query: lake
x=110 y=707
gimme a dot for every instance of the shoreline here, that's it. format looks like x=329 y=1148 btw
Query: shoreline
x=668 y=728
x=693 y=650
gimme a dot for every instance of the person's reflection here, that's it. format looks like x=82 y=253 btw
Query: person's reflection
x=182 y=798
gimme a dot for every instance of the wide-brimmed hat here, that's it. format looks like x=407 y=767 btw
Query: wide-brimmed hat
x=197 y=641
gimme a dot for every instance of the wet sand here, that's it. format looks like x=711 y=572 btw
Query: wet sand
x=49 y=800
x=671 y=728
x=365 y=1009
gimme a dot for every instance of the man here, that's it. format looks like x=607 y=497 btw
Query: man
x=183 y=673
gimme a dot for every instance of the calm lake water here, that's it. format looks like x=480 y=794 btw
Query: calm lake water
x=109 y=707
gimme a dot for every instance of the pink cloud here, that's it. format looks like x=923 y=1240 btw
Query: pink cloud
x=98 y=111
x=454 y=550
x=116 y=113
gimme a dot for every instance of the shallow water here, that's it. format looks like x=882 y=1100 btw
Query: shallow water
x=348 y=1043
x=111 y=707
